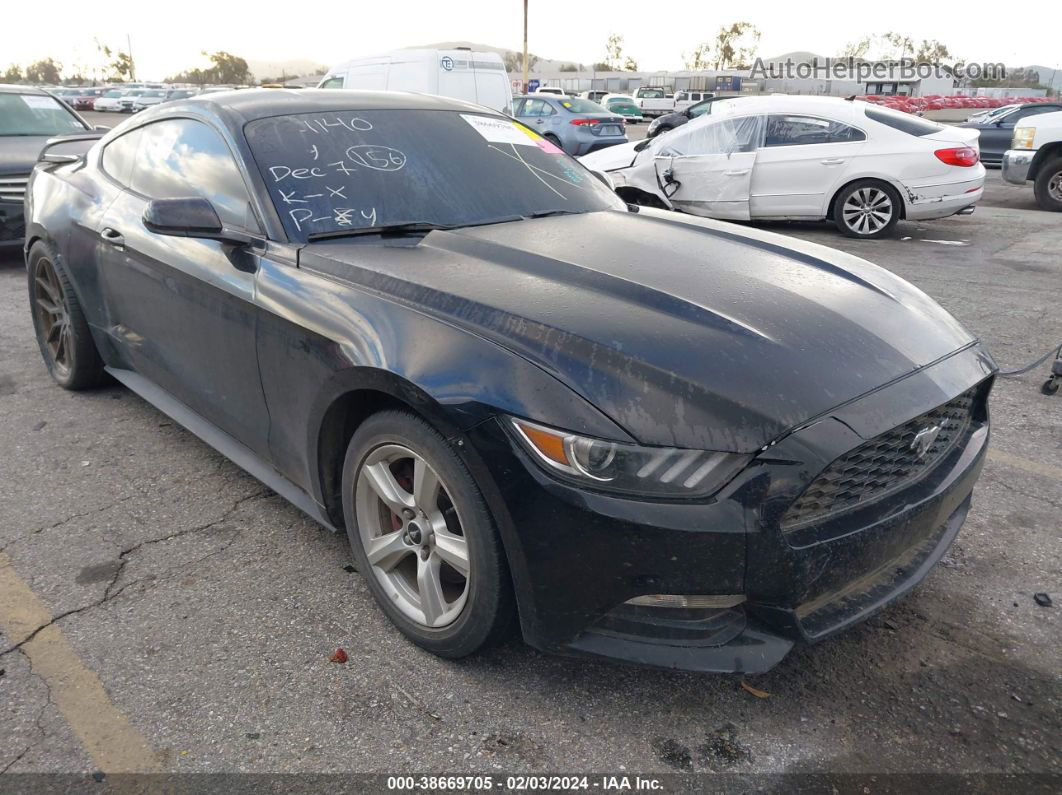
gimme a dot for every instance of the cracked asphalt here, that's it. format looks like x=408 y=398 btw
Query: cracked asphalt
x=169 y=598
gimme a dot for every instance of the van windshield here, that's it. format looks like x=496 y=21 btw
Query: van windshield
x=343 y=170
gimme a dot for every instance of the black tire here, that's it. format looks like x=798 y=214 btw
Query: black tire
x=553 y=139
x=1048 y=186
x=489 y=610
x=663 y=128
x=875 y=228
x=76 y=365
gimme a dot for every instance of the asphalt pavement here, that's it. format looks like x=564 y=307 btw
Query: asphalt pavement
x=162 y=610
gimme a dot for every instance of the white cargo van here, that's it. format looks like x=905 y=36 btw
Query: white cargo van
x=461 y=74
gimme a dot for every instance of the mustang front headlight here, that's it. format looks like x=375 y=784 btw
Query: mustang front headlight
x=1023 y=138
x=628 y=468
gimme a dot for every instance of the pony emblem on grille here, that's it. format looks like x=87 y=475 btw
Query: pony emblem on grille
x=924 y=439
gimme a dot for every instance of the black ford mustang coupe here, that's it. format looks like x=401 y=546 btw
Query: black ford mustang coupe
x=650 y=437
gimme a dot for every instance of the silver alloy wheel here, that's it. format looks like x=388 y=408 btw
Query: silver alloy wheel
x=1054 y=187
x=412 y=535
x=867 y=210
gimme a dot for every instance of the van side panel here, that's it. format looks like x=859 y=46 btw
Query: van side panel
x=460 y=74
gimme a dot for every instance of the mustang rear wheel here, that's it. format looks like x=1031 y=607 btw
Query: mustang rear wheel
x=867 y=209
x=423 y=536
x=62 y=332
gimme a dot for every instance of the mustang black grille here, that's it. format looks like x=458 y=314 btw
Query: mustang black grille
x=883 y=465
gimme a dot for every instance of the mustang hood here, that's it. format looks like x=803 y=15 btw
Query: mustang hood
x=692 y=333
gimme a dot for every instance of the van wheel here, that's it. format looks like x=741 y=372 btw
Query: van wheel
x=1048 y=186
x=867 y=209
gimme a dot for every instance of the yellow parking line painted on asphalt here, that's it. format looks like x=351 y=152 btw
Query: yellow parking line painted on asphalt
x=1016 y=461
x=108 y=737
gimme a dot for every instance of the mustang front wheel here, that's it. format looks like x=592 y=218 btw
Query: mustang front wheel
x=423 y=536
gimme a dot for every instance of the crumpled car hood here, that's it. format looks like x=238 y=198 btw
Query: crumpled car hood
x=684 y=331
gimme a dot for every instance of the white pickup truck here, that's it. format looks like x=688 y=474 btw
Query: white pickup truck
x=1036 y=155
x=654 y=101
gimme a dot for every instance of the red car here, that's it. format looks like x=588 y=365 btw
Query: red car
x=84 y=99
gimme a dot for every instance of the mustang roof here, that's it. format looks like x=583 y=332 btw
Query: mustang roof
x=261 y=103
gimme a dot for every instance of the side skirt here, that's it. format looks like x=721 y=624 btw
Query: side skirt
x=236 y=452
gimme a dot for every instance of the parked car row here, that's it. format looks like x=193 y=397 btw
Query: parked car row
x=134 y=100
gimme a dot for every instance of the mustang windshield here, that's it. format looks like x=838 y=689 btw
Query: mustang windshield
x=344 y=170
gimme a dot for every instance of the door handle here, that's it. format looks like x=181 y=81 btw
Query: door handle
x=832 y=161
x=737 y=173
x=112 y=236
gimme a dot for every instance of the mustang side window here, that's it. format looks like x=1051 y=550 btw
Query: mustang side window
x=180 y=158
x=120 y=155
x=789 y=130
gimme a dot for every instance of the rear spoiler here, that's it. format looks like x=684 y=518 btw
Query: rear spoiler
x=45 y=157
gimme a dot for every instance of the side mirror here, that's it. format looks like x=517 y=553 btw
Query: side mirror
x=191 y=217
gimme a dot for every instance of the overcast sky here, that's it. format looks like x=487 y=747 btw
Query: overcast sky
x=167 y=37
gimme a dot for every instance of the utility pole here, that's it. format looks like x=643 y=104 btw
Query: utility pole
x=132 y=64
x=525 y=45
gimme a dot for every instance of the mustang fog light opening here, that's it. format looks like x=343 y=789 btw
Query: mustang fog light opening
x=629 y=468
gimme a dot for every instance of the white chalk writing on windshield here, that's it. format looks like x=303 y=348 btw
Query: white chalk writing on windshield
x=340 y=216
x=324 y=125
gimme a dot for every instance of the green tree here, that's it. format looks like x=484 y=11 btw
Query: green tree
x=12 y=75
x=856 y=49
x=229 y=68
x=118 y=66
x=735 y=45
x=569 y=67
x=698 y=60
x=630 y=65
x=614 y=53
x=44 y=71
x=601 y=66
x=514 y=62
x=897 y=46
x=225 y=68
x=933 y=51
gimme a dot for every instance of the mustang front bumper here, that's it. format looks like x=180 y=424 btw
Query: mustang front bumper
x=577 y=557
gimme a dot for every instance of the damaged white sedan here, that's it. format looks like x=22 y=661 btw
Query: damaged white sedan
x=803 y=158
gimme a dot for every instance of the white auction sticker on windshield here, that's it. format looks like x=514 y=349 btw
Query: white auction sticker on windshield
x=501 y=131
x=36 y=101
